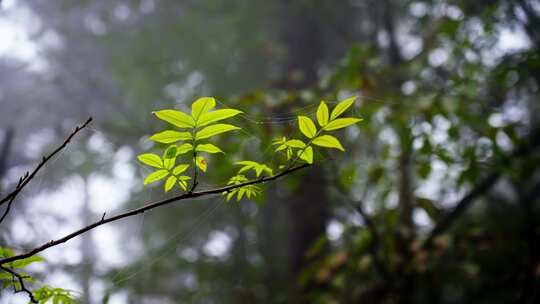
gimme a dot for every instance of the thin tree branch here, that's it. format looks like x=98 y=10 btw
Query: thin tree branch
x=8 y=208
x=10 y=197
x=147 y=207
x=480 y=189
x=22 y=287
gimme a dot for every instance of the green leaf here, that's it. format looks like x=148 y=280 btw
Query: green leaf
x=170 y=152
x=170 y=183
x=184 y=148
x=214 y=130
x=211 y=117
x=201 y=163
x=342 y=107
x=169 y=157
x=322 y=114
x=6 y=252
x=182 y=182
x=341 y=123
x=170 y=136
x=210 y=148
x=154 y=177
x=177 y=118
x=180 y=169
x=328 y=141
x=201 y=106
x=183 y=185
x=230 y=195
x=25 y=262
x=246 y=163
x=307 y=127
x=282 y=147
x=151 y=160
x=295 y=143
x=306 y=155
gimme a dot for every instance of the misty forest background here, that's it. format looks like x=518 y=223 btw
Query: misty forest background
x=436 y=199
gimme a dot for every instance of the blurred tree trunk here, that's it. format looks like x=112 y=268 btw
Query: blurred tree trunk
x=87 y=245
x=308 y=208
x=4 y=151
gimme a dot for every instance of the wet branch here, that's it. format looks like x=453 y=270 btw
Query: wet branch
x=22 y=287
x=29 y=176
x=149 y=206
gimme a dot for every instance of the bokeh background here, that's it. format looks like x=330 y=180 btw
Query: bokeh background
x=436 y=199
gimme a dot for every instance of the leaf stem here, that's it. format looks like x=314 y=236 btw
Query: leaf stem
x=195 y=168
x=305 y=147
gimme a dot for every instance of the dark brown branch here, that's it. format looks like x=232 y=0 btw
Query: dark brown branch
x=146 y=207
x=480 y=189
x=22 y=287
x=10 y=197
x=8 y=208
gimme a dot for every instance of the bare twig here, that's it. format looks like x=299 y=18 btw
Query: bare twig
x=11 y=196
x=8 y=208
x=22 y=287
x=143 y=209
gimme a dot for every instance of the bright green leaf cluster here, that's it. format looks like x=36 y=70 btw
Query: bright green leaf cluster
x=7 y=278
x=198 y=126
x=47 y=294
x=204 y=123
x=44 y=294
x=249 y=191
x=255 y=166
x=327 y=122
